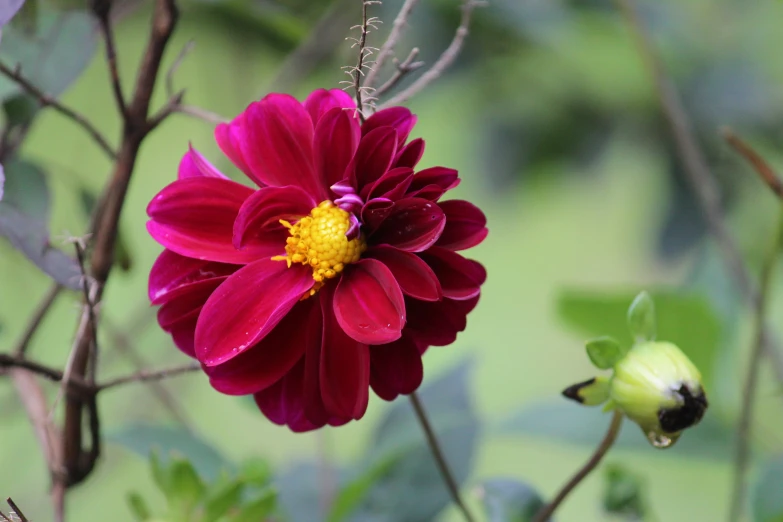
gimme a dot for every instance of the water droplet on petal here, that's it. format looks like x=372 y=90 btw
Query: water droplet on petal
x=659 y=440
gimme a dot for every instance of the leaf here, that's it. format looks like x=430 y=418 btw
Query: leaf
x=509 y=500
x=641 y=318
x=299 y=491
x=412 y=489
x=570 y=423
x=623 y=493
x=221 y=500
x=767 y=502
x=685 y=319
x=51 y=56
x=24 y=218
x=138 y=507
x=258 y=509
x=351 y=494
x=142 y=439
x=20 y=109
x=122 y=257
x=604 y=352
x=186 y=488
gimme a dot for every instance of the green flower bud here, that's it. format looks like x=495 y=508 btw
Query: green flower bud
x=655 y=385
x=660 y=389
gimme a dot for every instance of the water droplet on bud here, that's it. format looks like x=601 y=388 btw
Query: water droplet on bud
x=659 y=440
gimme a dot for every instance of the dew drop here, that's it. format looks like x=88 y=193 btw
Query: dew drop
x=364 y=326
x=659 y=440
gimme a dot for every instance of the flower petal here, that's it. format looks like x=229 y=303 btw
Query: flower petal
x=460 y=278
x=264 y=209
x=322 y=101
x=437 y=323
x=194 y=217
x=344 y=370
x=396 y=368
x=368 y=303
x=410 y=155
x=264 y=364
x=194 y=165
x=246 y=307
x=172 y=273
x=183 y=333
x=190 y=300
x=443 y=177
x=413 y=225
x=336 y=139
x=392 y=185
x=414 y=276
x=466 y=225
x=374 y=212
x=279 y=148
x=283 y=402
x=229 y=137
x=373 y=157
x=400 y=118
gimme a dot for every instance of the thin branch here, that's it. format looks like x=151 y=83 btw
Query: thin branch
x=18 y=511
x=440 y=459
x=387 y=49
x=201 y=114
x=444 y=61
x=357 y=71
x=762 y=168
x=699 y=176
x=149 y=375
x=102 y=11
x=603 y=448
x=165 y=111
x=401 y=70
x=45 y=100
x=89 y=304
x=52 y=374
x=37 y=318
x=175 y=66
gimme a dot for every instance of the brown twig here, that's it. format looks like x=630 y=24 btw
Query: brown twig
x=357 y=71
x=38 y=316
x=444 y=61
x=401 y=70
x=102 y=11
x=387 y=49
x=175 y=66
x=149 y=375
x=47 y=101
x=439 y=457
x=611 y=435
x=201 y=114
x=699 y=175
x=762 y=168
x=18 y=511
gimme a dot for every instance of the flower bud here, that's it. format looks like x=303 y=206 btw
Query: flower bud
x=659 y=388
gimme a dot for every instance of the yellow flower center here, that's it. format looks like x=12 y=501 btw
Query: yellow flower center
x=319 y=241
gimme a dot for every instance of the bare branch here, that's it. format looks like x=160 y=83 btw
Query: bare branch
x=102 y=11
x=765 y=172
x=444 y=61
x=387 y=49
x=38 y=316
x=47 y=101
x=356 y=72
x=165 y=111
x=18 y=511
x=175 y=66
x=402 y=69
x=201 y=114
x=152 y=375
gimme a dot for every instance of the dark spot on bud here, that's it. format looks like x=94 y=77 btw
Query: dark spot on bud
x=572 y=392
x=685 y=416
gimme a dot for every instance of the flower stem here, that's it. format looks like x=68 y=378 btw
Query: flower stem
x=602 y=449
x=440 y=459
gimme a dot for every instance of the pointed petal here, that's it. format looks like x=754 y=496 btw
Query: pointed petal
x=437 y=323
x=443 y=177
x=414 y=276
x=344 y=369
x=194 y=165
x=264 y=364
x=262 y=212
x=375 y=212
x=460 y=278
x=189 y=301
x=172 y=273
x=399 y=118
x=410 y=155
x=194 y=217
x=280 y=144
x=322 y=101
x=392 y=185
x=368 y=303
x=396 y=368
x=246 y=307
x=229 y=137
x=413 y=225
x=283 y=403
x=336 y=139
x=183 y=333
x=373 y=157
x=466 y=225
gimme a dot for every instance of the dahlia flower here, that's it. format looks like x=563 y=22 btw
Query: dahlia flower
x=333 y=275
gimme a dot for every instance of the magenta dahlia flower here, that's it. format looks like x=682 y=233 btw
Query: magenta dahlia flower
x=332 y=277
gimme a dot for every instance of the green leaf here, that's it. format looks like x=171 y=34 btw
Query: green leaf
x=623 y=493
x=186 y=488
x=160 y=473
x=53 y=54
x=259 y=508
x=122 y=257
x=685 y=319
x=570 y=423
x=24 y=221
x=138 y=507
x=641 y=318
x=767 y=502
x=221 y=500
x=255 y=472
x=604 y=352
x=142 y=439
x=20 y=109
x=351 y=495
x=509 y=500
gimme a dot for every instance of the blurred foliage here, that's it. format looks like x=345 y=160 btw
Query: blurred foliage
x=767 y=501
x=624 y=493
x=509 y=500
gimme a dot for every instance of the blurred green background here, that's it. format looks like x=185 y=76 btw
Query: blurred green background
x=553 y=125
